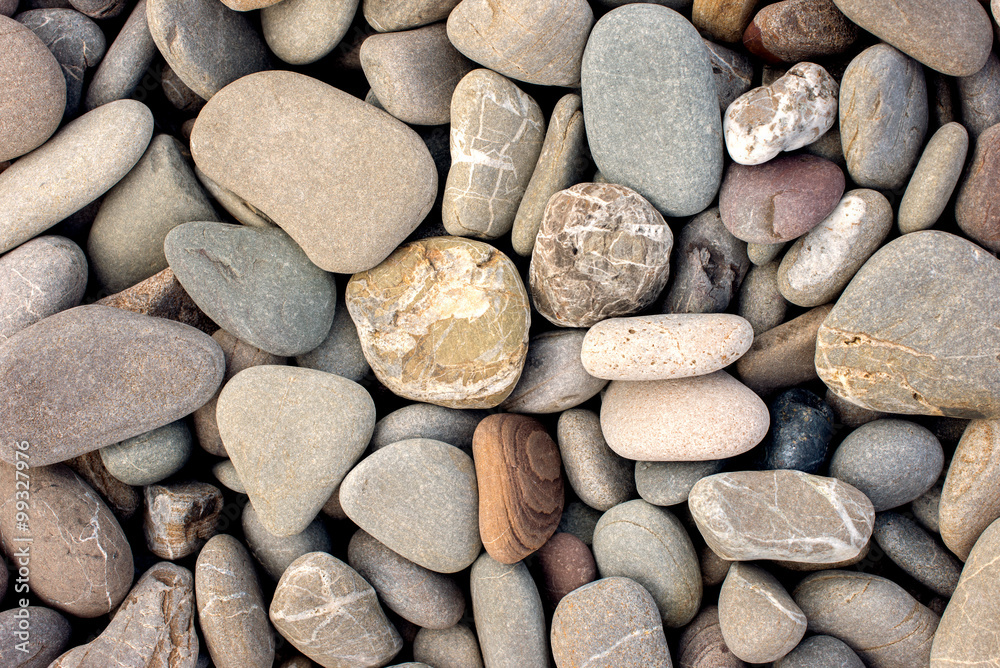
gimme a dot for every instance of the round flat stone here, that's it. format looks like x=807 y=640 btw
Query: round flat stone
x=783 y=515
x=661 y=347
x=687 y=419
x=501 y=593
x=599 y=477
x=758 y=619
x=664 y=141
x=295 y=124
x=934 y=178
x=303 y=31
x=941 y=362
x=970 y=498
x=151 y=372
x=553 y=379
x=443 y=320
x=38 y=279
x=150 y=457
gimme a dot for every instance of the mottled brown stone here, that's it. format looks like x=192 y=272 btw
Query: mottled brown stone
x=161 y=296
x=180 y=518
x=520 y=485
x=977 y=209
x=123 y=499
x=566 y=564
x=723 y=20
x=602 y=251
x=970 y=498
x=783 y=356
x=795 y=30
x=714 y=568
x=443 y=320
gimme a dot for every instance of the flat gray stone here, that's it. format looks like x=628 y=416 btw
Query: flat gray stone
x=820 y=652
x=421 y=500
x=652 y=118
x=340 y=353
x=207 y=44
x=125 y=245
x=81 y=162
x=914 y=334
x=150 y=457
x=553 y=378
x=580 y=520
x=453 y=426
x=758 y=619
x=502 y=593
x=599 y=477
x=333 y=146
x=669 y=483
x=38 y=279
x=151 y=371
x=126 y=62
x=926 y=508
x=257 y=284
x=934 y=178
x=292 y=434
x=47 y=637
x=226 y=474
x=917 y=553
x=275 y=553
x=650 y=545
x=303 y=31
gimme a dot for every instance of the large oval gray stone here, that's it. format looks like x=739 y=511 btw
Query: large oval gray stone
x=96 y=375
x=915 y=333
x=652 y=112
x=502 y=593
x=362 y=179
x=255 y=283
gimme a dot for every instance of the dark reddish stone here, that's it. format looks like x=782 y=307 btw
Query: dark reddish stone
x=791 y=31
x=566 y=563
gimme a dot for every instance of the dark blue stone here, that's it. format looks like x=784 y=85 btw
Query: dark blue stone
x=801 y=430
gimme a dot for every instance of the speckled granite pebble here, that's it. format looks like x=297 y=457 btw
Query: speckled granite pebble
x=917 y=553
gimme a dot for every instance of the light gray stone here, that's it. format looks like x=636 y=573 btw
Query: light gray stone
x=820 y=652
x=669 y=483
x=438 y=423
x=553 y=378
x=303 y=31
x=455 y=647
x=150 y=457
x=276 y=553
x=340 y=353
x=502 y=593
x=934 y=178
x=599 y=477
x=761 y=302
x=126 y=62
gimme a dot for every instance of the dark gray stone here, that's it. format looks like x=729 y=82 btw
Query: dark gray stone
x=801 y=431
x=453 y=426
x=733 y=72
x=126 y=62
x=820 y=652
x=917 y=553
x=553 y=378
x=340 y=353
x=580 y=520
x=47 y=635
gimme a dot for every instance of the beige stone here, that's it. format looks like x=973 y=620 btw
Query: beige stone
x=723 y=20
x=759 y=620
x=970 y=499
x=392 y=15
x=783 y=356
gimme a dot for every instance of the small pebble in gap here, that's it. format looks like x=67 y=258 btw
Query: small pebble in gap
x=437 y=423
x=761 y=302
x=917 y=553
x=785 y=355
x=566 y=564
x=180 y=518
x=702 y=645
x=802 y=426
x=275 y=553
x=553 y=379
x=820 y=652
x=340 y=353
x=150 y=457
x=669 y=483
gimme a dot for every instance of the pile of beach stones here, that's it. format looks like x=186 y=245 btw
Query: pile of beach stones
x=501 y=333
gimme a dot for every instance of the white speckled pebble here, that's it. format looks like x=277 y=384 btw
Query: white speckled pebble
x=659 y=347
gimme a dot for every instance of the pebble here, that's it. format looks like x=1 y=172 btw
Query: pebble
x=802 y=426
x=301 y=32
x=669 y=483
x=820 y=263
x=153 y=372
x=892 y=461
x=497 y=132
x=419 y=499
x=925 y=508
x=180 y=518
x=180 y=95
x=340 y=353
x=520 y=485
x=393 y=15
x=255 y=283
x=758 y=619
x=602 y=251
x=331 y=614
x=966 y=635
x=560 y=165
x=77 y=43
x=761 y=302
x=125 y=245
x=820 y=652
x=150 y=457
x=81 y=161
x=598 y=476
x=450 y=425
x=292 y=434
x=687 y=419
x=429 y=600
x=714 y=568
x=661 y=347
x=792 y=112
x=975 y=208
x=783 y=356
x=780 y=200
x=155 y=626
x=33 y=91
x=126 y=62
x=664 y=142
x=502 y=593
x=733 y=72
x=781 y=515
x=876 y=617
x=455 y=647
x=883 y=115
x=934 y=179
x=795 y=30
x=232 y=612
x=48 y=635
x=477 y=359
x=207 y=45
x=276 y=553
x=100 y=9
x=535 y=42
x=580 y=520
x=970 y=498
x=848 y=414
x=917 y=553
x=709 y=266
x=414 y=73
x=566 y=564
x=226 y=474
x=763 y=254
x=83 y=562
x=161 y=296
x=933 y=366
x=239 y=356
x=236 y=207
x=613 y=621
x=553 y=379
x=702 y=645
x=123 y=499
x=298 y=122
x=979 y=98
x=952 y=37
x=38 y=279
x=649 y=544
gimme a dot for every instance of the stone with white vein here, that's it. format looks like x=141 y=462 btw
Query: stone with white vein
x=759 y=620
